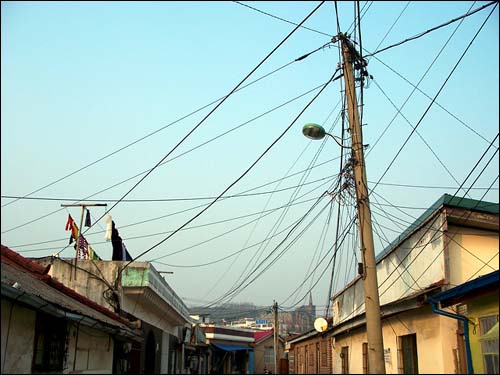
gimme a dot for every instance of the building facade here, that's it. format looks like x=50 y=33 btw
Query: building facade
x=453 y=242
x=135 y=290
x=49 y=328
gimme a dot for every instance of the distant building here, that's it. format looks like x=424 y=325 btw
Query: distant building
x=304 y=316
x=261 y=324
x=231 y=349
x=294 y=322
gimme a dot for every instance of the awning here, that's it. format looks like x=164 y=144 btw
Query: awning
x=232 y=348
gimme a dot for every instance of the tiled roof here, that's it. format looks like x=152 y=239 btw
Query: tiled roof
x=262 y=335
x=32 y=279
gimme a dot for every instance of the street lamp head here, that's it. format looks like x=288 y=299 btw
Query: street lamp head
x=313 y=131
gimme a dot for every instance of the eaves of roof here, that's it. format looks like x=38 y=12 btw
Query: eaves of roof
x=34 y=286
x=446 y=200
x=469 y=289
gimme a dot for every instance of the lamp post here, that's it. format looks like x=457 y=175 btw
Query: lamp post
x=369 y=271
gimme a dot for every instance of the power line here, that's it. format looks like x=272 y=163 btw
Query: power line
x=338 y=242
x=235 y=290
x=434 y=28
x=286 y=206
x=418 y=133
x=165 y=126
x=198 y=206
x=169 y=160
x=267 y=212
x=408 y=98
x=237 y=180
x=242 y=175
x=242 y=195
x=281 y=19
x=435 y=97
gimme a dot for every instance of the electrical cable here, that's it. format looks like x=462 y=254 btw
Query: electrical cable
x=169 y=215
x=234 y=195
x=280 y=220
x=212 y=111
x=166 y=161
x=435 y=97
x=426 y=231
x=320 y=261
x=281 y=19
x=166 y=126
x=295 y=226
x=236 y=290
x=232 y=230
x=428 y=97
x=417 y=132
x=398 y=110
x=434 y=28
x=239 y=178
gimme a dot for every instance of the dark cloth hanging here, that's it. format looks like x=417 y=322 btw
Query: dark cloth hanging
x=87 y=219
x=117 y=243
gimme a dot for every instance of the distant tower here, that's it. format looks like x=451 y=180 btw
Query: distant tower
x=310 y=299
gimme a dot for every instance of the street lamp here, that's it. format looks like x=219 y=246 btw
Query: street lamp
x=317 y=132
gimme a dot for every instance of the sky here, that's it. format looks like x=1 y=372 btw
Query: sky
x=121 y=103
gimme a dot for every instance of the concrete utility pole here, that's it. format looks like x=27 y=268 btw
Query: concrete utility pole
x=376 y=363
x=276 y=338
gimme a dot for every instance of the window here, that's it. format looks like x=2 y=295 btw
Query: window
x=324 y=353
x=269 y=356
x=50 y=343
x=407 y=354
x=489 y=343
x=365 y=358
x=317 y=358
x=344 y=356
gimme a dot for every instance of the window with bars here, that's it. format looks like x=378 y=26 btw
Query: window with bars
x=489 y=343
x=50 y=343
x=269 y=355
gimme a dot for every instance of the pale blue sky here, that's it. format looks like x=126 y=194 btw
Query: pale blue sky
x=83 y=79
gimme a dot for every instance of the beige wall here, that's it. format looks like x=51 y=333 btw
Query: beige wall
x=417 y=263
x=436 y=343
x=472 y=253
x=259 y=354
x=17 y=353
x=94 y=350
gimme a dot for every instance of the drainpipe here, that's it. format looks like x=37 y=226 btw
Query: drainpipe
x=468 y=354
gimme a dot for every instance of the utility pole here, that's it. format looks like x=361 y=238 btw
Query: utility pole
x=276 y=338
x=372 y=303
